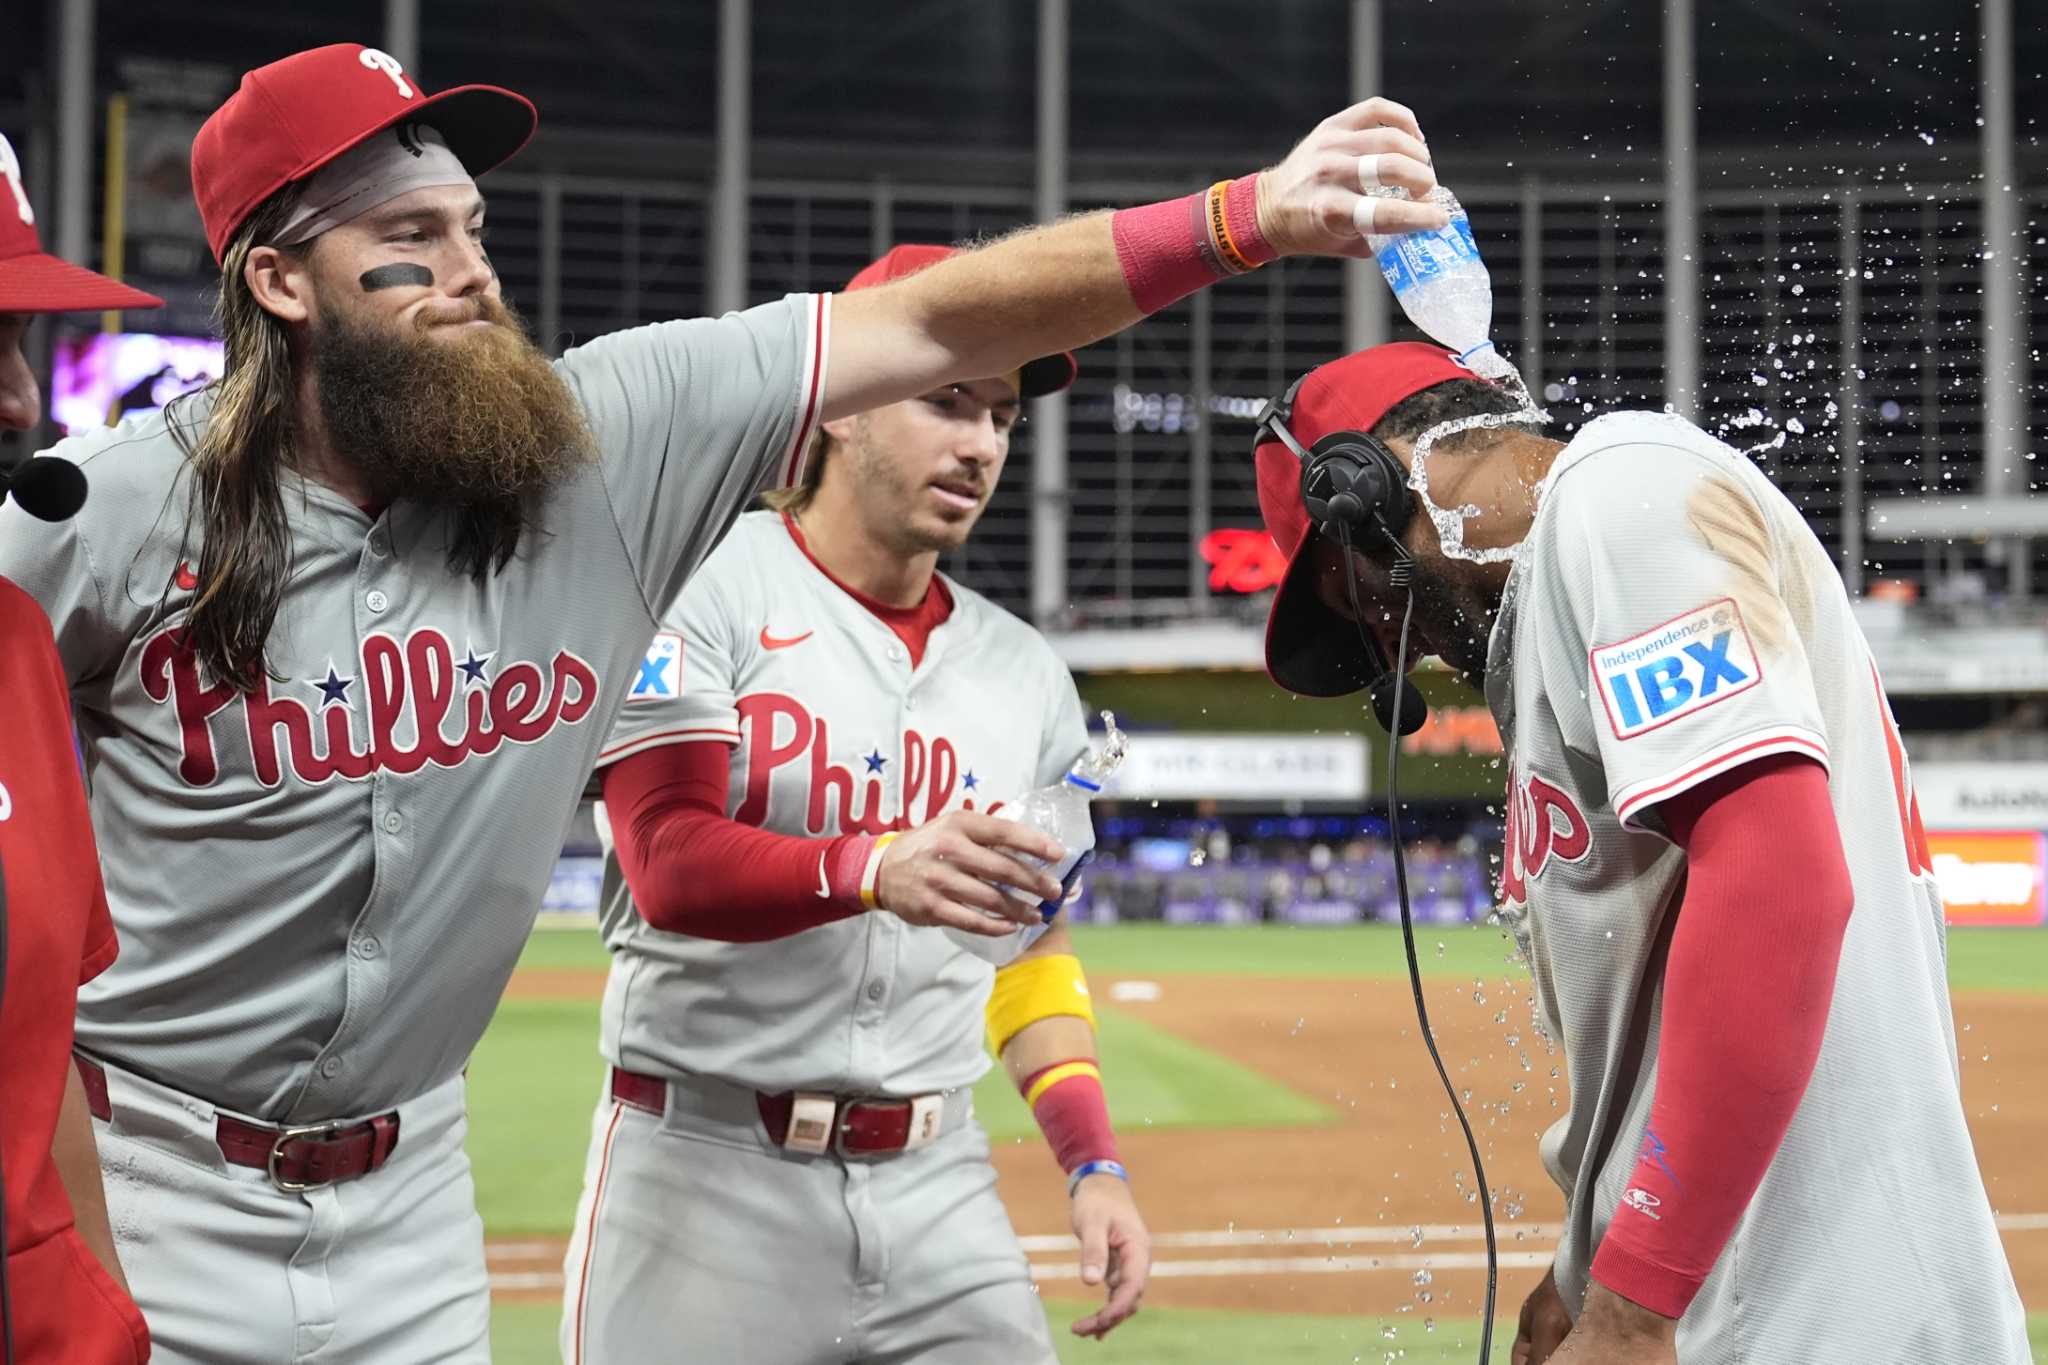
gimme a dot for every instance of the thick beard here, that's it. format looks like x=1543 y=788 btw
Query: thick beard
x=480 y=423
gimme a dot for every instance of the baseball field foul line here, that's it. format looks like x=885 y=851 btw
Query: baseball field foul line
x=1521 y=1257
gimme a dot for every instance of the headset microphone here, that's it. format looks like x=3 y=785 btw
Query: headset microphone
x=1400 y=711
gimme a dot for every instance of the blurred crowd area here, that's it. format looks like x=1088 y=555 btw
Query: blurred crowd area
x=1289 y=870
x=1233 y=869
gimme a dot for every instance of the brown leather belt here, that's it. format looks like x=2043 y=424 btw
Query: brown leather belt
x=296 y=1157
x=814 y=1122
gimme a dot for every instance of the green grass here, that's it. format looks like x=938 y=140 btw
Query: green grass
x=2000 y=959
x=524 y=1334
x=1159 y=1081
x=1979 y=959
x=534 y=1082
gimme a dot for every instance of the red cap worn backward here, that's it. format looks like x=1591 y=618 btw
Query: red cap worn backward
x=32 y=280
x=1310 y=650
x=1047 y=374
x=294 y=116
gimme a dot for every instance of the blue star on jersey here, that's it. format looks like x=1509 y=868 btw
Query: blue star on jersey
x=875 y=761
x=333 y=688
x=472 y=667
x=970 y=782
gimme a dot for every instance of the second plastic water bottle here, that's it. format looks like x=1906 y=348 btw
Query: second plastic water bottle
x=1062 y=812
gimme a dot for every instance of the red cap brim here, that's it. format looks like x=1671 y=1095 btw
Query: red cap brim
x=1047 y=374
x=41 y=283
x=1310 y=650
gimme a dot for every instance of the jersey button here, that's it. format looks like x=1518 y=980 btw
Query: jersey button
x=876 y=990
x=896 y=652
x=330 y=1067
x=367 y=946
x=376 y=601
x=377 y=543
x=393 y=822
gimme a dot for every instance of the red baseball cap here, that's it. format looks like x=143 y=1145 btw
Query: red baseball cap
x=1310 y=650
x=294 y=116
x=1047 y=374
x=32 y=280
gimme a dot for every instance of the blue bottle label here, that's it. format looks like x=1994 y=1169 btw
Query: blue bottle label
x=1418 y=257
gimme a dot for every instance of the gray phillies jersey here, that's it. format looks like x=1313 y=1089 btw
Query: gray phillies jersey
x=1671 y=617
x=321 y=888
x=833 y=732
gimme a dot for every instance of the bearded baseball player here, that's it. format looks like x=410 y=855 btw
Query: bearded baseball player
x=1715 y=864
x=798 y=796
x=345 y=633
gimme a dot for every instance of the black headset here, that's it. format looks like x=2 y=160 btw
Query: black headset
x=1353 y=485
x=1353 y=488
x=1350 y=481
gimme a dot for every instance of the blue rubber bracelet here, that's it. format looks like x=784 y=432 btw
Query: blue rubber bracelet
x=1088 y=1168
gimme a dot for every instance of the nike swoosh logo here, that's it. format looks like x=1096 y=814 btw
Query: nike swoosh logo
x=770 y=642
x=824 y=887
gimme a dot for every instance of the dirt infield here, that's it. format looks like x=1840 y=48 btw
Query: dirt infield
x=1373 y=1215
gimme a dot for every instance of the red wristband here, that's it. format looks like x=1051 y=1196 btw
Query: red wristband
x=1073 y=1113
x=1170 y=249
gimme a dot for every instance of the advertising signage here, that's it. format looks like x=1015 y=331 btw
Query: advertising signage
x=1989 y=876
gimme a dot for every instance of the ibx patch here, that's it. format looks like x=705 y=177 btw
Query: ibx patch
x=1670 y=671
x=661 y=672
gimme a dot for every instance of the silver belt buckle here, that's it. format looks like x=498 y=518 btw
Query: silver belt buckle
x=284 y=1135
x=813 y=1123
x=927 y=1117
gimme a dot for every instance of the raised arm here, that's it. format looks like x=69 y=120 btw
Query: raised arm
x=1057 y=287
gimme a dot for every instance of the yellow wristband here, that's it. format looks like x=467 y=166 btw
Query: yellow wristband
x=873 y=871
x=1035 y=988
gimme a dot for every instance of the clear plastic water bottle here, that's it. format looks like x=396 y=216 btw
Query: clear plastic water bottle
x=1060 y=811
x=1442 y=283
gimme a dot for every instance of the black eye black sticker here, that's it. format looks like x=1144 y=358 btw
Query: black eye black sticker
x=394 y=276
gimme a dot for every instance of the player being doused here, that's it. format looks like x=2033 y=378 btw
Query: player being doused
x=1714 y=862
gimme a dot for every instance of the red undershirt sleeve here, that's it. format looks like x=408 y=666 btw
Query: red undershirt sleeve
x=694 y=870
x=1746 y=995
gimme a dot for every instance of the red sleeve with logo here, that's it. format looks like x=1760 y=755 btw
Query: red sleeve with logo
x=1746 y=995
x=694 y=870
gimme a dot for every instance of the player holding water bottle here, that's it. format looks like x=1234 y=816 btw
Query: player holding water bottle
x=806 y=794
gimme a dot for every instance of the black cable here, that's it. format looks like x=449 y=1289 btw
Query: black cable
x=1401 y=578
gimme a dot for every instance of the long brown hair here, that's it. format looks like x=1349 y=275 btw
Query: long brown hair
x=236 y=449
